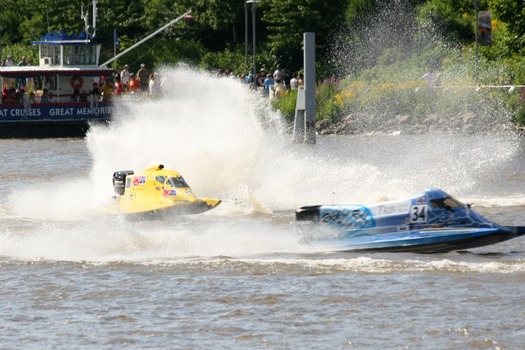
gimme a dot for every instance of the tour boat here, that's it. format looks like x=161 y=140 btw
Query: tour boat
x=428 y=223
x=53 y=98
x=156 y=190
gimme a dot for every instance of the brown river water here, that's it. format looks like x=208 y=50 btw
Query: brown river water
x=73 y=275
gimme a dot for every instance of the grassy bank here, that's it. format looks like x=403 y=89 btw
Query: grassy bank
x=380 y=92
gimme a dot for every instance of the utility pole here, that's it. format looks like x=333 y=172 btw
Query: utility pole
x=254 y=11
x=246 y=34
x=476 y=7
x=176 y=20
x=304 y=122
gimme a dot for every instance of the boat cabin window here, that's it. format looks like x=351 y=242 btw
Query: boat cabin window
x=79 y=55
x=73 y=55
x=446 y=203
x=50 y=54
x=177 y=182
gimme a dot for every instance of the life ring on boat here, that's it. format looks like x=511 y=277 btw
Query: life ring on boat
x=77 y=83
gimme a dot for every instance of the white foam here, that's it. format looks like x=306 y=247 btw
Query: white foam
x=229 y=144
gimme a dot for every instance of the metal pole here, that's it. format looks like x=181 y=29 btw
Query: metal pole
x=309 y=86
x=246 y=34
x=114 y=44
x=94 y=19
x=254 y=9
x=147 y=38
x=476 y=6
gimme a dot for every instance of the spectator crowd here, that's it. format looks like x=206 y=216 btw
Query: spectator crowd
x=272 y=85
x=123 y=82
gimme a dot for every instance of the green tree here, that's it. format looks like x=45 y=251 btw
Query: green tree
x=512 y=12
x=454 y=19
x=287 y=20
x=217 y=23
x=357 y=10
x=11 y=15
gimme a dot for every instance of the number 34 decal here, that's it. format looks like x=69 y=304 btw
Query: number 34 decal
x=418 y=213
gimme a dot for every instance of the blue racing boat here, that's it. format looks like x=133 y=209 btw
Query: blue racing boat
x=429 y=223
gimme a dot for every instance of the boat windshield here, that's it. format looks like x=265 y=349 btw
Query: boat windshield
x=161 y=179
x=447 y=203
x=177 y=182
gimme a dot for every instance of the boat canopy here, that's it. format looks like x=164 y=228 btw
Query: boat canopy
x=63 y=38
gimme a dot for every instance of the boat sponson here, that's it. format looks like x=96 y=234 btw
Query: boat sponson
x=461 y=243
x=198 y=207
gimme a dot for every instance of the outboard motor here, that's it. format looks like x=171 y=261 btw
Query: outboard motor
x=119 y=181
x=310 y=213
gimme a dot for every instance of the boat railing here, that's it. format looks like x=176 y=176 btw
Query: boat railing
x=66 y=99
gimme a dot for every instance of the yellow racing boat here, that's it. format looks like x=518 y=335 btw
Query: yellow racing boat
x=157 y=190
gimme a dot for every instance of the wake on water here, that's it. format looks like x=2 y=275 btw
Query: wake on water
x=228 y=144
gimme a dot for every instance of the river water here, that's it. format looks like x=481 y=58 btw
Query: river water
x=73 y=275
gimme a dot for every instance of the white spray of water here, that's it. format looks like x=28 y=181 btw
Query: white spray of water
x=225 y=140
x=228 y=144
x=204 y=127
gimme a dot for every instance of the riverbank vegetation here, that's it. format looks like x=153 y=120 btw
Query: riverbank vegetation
x=371 y=54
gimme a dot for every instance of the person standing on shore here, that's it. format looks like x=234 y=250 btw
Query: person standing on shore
x=294 y=82
x=429 y=78
x=268 y=84
x=125 y=77
x=134 y=83
x=119 y=87
x=152 y=85
x=143 y=75
x=278 y=74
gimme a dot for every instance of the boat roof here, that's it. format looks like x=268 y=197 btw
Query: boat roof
x=63 y=38
x=28 y=71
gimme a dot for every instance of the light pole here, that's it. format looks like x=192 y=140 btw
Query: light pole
x=476 y=8
x=246 y=34
x=254 y=11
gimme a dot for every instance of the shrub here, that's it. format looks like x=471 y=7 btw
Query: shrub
x=519 y=116
x=328 y=105
x=286 y=104
x=328 y=102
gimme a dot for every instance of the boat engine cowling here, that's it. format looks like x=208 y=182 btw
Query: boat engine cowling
x=310 y=213
x=119 y=181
